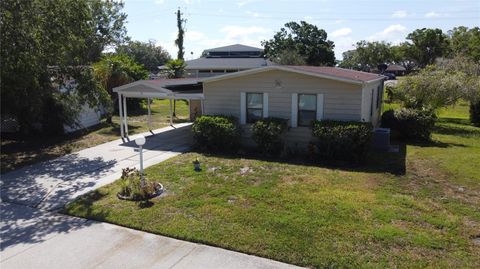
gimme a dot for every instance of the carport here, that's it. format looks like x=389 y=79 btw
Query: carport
x=171 y=89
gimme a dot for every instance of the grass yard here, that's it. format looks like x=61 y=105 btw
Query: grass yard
x=16 y=153
x=371 y=216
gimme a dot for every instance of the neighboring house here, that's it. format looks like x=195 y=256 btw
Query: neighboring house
x=87 y=115
x=300 y=94
x=396 y=69
x=228 y=59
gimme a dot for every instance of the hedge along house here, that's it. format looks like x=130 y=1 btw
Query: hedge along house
x=300 y=94
x=171 y=89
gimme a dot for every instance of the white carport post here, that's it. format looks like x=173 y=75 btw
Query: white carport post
x=149 y=121
x=120 y=111
x=125 y=121
x=201 y=106
x=171 y=112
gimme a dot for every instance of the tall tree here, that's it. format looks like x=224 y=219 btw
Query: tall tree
x=181 y=33
x=178 y=65
x=39 y=35
x=305 y=39
x=146 y=53
x=427 y=45
x=466 y=42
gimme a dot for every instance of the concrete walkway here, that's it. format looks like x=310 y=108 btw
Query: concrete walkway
x=51 y=184
x=33 y=235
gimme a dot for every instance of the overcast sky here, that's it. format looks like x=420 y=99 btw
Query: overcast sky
x=214 y=23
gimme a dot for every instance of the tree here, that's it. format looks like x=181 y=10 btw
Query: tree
x=368 y=55
x=287 y=57
x=470 y=70
x=464 y=41
x=349 y=60
x=443 y=85
x=432 y=88
x=372 y=54
x=305 y=39
x=403 y=55
x=67 y=35
x=427 y=45
x=145 y=53
x=175 y=68
x=180 y=36
x=116 y=70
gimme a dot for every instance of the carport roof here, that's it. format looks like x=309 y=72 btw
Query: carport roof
x=159 y=88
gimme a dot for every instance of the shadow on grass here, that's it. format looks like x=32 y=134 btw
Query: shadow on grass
x=454 y=120
x=85 y=209
x=376 y=162
x=114 y=129
x=449 y=129
x=180 y=120
x=433 y=144
x=145 y=204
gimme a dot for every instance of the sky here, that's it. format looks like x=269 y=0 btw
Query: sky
x=215 y=23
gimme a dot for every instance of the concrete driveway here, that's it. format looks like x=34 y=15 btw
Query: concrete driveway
x=50 y=185
x=33 y=235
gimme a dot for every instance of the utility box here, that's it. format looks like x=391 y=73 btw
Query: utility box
x=381 y=139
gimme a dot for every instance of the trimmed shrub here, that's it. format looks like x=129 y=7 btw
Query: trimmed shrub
x=346 y=141
x=475 y=113
x=410 y=123
x=216 y=133
x=267 y=133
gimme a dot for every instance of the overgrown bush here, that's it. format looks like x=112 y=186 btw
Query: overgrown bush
x=267 y=133
x=389 y=90
x=410 y=123
x=347 y=141
x=475 y=113
x=216 y=133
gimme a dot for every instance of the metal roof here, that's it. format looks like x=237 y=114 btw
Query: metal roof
x=162 y=88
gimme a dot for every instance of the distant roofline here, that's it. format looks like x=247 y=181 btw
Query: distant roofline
x=229 y=48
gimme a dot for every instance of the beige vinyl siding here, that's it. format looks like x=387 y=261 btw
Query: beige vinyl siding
x=368 y=101
x=342 y=101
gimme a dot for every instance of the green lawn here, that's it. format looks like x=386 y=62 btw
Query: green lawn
x=371 y=216
x=17 y=152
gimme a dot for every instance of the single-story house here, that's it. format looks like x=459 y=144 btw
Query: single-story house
x=396 y=69
x=299 y=94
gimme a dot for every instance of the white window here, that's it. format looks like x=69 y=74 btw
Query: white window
x=254 y=107
x=307 y=109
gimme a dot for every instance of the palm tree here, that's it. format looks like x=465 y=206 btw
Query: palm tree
x=116 y=70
